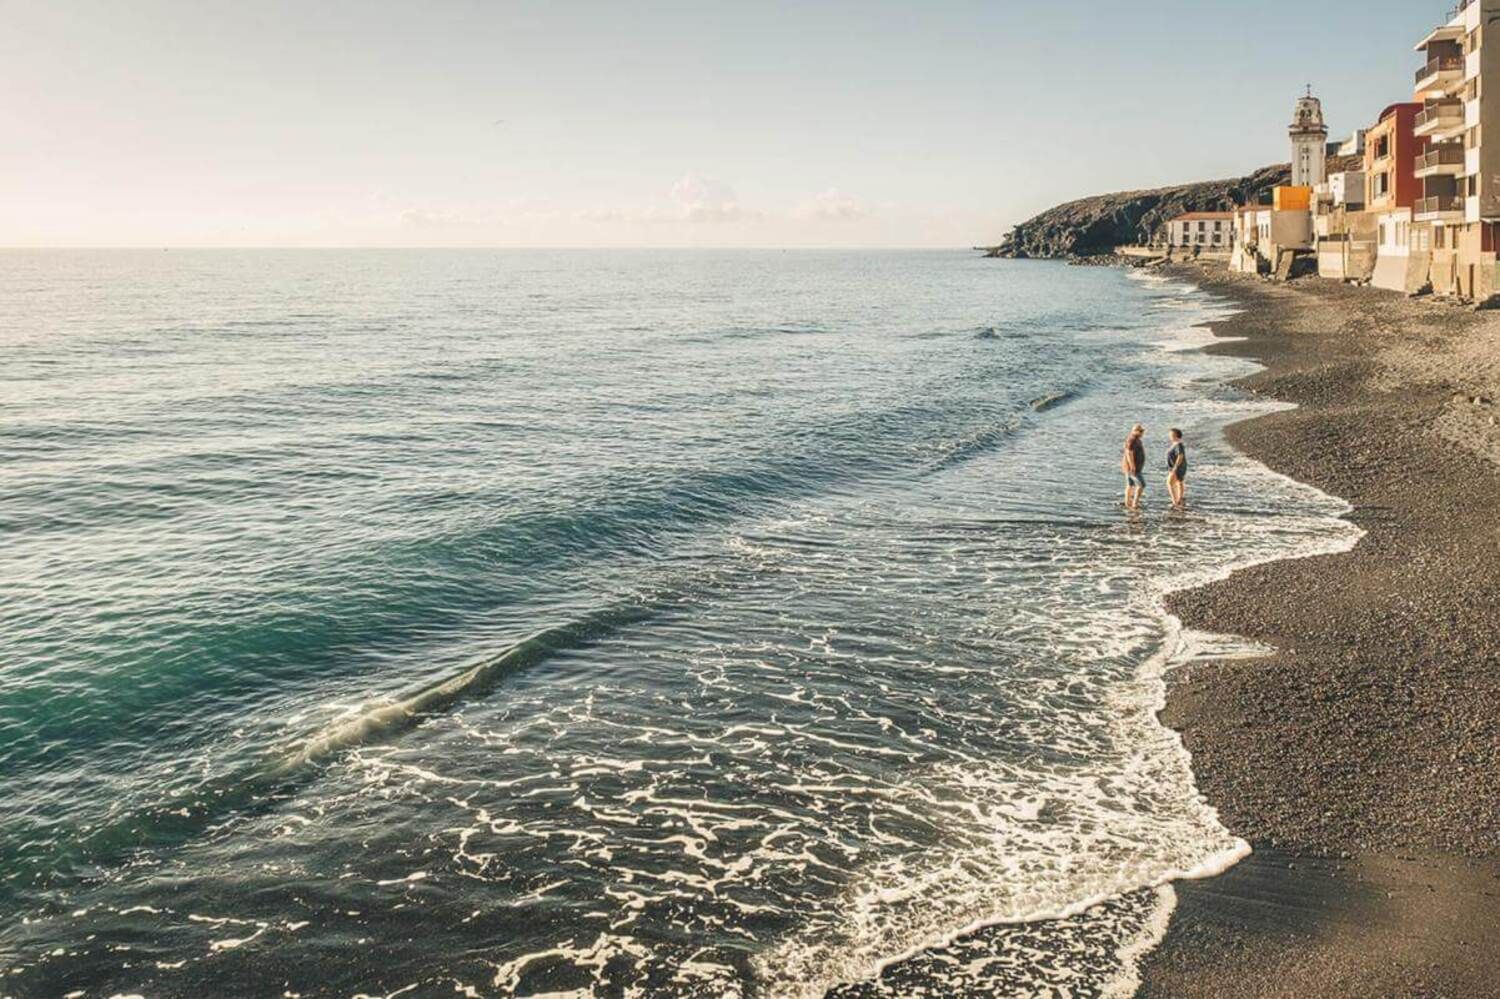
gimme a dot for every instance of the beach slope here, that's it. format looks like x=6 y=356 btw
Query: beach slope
x=1362 y=759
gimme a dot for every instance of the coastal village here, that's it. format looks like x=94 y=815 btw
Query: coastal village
x=1410 y=203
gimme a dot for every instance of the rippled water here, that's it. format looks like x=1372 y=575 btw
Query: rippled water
x=622 y=623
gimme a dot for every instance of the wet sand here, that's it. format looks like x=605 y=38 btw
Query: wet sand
x=1362 y=759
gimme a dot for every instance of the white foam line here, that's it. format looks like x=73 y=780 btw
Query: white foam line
x=1343 y=537
x=1212 y=866
x=1128 y=983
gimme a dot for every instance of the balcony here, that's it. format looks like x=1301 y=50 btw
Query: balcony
x=1440 y=75
x=1440 y=119
x=1437 y=207
x=1442 y=160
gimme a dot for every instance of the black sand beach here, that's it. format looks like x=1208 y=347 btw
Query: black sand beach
x=1362 y=760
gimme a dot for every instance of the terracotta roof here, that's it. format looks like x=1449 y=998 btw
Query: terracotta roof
x=1195 y=216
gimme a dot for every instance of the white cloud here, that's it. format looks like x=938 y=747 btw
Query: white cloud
x=698 y=200
x=832 y=205
x=694 y=198
x=478 y=216
x=703 y=199
x=422 y=218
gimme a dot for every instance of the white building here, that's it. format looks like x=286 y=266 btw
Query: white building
x=1347 y=188
x=1355 y=144
x=1393 y=251
x=1201 y=230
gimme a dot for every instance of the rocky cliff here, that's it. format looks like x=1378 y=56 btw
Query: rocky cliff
x=1092 y=226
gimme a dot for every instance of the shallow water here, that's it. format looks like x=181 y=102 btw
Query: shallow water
x=669 y=623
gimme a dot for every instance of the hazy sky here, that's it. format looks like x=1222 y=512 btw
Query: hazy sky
x=625 y=123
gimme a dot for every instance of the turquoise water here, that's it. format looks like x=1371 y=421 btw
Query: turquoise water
x=647 y=622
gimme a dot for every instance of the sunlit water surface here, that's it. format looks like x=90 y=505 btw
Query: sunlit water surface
x=613 y=623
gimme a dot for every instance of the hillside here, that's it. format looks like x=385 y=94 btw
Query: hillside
x=1095 y=225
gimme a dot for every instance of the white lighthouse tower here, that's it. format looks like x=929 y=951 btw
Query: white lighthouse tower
x=1309 y=142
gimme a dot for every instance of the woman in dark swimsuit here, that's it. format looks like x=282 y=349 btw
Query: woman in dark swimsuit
x=1177 y=469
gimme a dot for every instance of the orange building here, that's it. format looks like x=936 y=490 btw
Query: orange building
x=1403 y=248
x=1391 y=151
x=1294 y=198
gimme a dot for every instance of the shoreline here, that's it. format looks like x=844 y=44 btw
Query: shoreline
x=916 y=970
x=1368 y=794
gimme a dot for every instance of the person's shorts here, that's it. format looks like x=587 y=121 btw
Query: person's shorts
x=1180 y=474
x=1139 y=481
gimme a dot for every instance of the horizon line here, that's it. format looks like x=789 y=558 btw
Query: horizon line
x=21 y=248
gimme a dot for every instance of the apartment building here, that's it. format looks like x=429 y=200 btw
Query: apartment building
x=1460 y=174
x=1392 y=192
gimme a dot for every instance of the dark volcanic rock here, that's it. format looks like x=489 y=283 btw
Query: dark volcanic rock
x=1098 y=224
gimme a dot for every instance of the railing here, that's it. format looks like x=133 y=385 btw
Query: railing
x=1438 y=203
x=1440 y=64
x=1445 y=155
x=1437 y=111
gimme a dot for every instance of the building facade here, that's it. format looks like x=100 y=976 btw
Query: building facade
x=1309 y=143
x=1459 y=205
x=1342 y=228
x=1392 y=191
x=1269 y=238
x=1201 y=230
x=1347 y=188
x=1391 y=150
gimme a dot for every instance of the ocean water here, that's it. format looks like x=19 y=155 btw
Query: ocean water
x=600 y=623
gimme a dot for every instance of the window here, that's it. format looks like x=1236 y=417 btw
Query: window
x=1383 y=240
